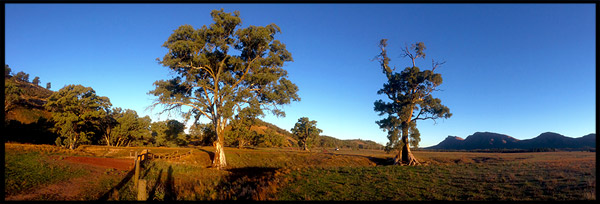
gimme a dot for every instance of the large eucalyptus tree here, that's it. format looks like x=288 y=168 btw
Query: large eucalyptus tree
x=222 y=69
x=410 y=98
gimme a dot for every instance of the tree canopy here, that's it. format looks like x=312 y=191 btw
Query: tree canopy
x=7 y=70
x=222 y=69
x=125 y=127
x=168 y=133
x=410 y=99
x=12 y=96
x=306 y=131
x=22 y=76
x=77 y=112
x=36 y=80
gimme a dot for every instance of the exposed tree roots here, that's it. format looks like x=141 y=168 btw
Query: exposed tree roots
x=410 y=161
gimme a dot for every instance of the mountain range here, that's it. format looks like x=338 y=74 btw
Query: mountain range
x=490 y=140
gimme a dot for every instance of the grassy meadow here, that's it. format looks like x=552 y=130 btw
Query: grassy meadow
x=289 y=174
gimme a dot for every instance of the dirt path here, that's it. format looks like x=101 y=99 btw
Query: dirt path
x=77 y=188
x=120 y=164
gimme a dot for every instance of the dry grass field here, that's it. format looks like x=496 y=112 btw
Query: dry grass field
x=44 y=172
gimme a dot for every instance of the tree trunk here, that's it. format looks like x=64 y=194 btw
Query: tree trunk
x=219 y=161
x=406 y=156
x=107 y=136
x=72 y=141
x=305 y=147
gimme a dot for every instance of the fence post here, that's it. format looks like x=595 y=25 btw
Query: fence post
x=137 y=171
x=141 y=190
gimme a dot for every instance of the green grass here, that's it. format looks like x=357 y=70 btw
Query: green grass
x=464 y=182
x=284 y=174
x=25 y=170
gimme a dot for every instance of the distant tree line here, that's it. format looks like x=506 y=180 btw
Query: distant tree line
x=20 y=76
x=79 y=116
x=332 y=142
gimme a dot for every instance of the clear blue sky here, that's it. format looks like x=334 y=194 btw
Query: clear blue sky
x=519 y=69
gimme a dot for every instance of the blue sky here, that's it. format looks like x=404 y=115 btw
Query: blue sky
x=515 y=69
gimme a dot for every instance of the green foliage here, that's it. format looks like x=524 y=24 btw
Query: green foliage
x=332 y=142
x=222 y=70
x=125 y=128
x=48 y=85
x=306 y=131
x=22 y=76
x=270 y=139
x=36 y=81
x=7 y=71
x=12 y=95
x=202 y=134
x=29 y=90
x=77 y=112
x=410 y=98
x=168 y=133
x=240 y=133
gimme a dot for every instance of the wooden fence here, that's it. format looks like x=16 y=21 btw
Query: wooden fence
x=139 y=161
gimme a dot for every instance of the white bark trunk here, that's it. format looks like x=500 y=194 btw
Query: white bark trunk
x=219 y=161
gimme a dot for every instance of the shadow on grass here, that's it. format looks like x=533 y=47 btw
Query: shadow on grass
x=118 y=187
x=170 y=188
x=243 y=183
x=126 y=179
x=381 y=161
x=170 y=194
x=377 y=160
x=153 y=190
x=210 y=154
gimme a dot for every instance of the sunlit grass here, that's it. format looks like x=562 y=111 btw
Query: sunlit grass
x=26 y=170
x=287 y=174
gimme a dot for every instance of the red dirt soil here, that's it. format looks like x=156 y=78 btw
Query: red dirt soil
x=75 y=188
x=120 y=164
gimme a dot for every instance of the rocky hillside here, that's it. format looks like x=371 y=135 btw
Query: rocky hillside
x=489 y=140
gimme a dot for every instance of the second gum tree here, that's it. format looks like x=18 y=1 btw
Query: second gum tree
x=409 y=93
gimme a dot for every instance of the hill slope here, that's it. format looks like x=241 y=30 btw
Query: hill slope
x=29 y=108
x=488 y=140
x=28 y=121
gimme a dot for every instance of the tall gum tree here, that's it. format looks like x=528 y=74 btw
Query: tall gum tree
x=222 y=69
x=410 y=98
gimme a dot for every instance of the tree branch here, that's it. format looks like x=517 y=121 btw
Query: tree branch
x=408 y=54
x=245 y=72
x=183 y=104
x=435 y=64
